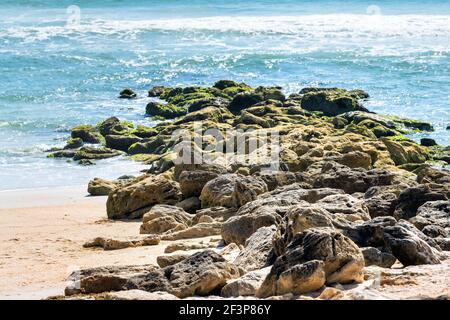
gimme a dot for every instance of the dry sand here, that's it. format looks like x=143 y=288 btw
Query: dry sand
x=41 y=236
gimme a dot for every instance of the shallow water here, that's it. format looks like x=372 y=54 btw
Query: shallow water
x=57 y=70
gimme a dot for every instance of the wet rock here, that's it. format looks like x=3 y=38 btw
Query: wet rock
x=375 y=257
x=132 y=200
x=257 y=252
x=330 y=101
x=91 y=153
x=127 y=94
x=87 y=133
x=162 y=218
x=113 y=126
x=427 y=142
x=121 y=142
x=167 y=111
x=73 y=143
x=156 y=91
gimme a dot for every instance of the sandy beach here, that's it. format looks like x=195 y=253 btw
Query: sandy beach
x=41 y=236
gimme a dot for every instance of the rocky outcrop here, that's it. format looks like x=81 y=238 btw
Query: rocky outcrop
x=122 y=243
x=131 y=201
x=313 y=258
x=247 y=285
x=375 y=257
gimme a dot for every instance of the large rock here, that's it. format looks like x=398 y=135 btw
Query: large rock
x=433 y=213
x=117 y=278
x=338 y=176
x=132 y=201
x=163 y=218
x=91 y=153
x=313 y=258
x=345 y=206
x=269 y=209
x=87 y=133
x=101 y=187
x=257 y=252
x=412 y=198
x=200 y=274
x=331 y=101
x=231 y=190
x=408 y=248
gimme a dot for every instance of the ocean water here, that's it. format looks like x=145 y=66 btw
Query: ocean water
x=62 y=65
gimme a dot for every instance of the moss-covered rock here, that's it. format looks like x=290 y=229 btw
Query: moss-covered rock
x=91 y=153
x=121 y=142
x=73 y=143
x=156 y=91
x=144 y=132
x=155 y=146
x=331 y=101
x=87 y=133
x=168 y=111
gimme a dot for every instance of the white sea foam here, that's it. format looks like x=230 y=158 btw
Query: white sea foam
x=306 y=26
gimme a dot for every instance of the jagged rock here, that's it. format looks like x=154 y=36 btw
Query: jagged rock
x=200 y=274
x=120 y=142
x=313 y=258
x=268 y=209
x=412 y=198
x=428 y=174
x=433 y=213
x=113 y=126
x=231 y=190
x=370 y=233
x=122 y=243
x=275 y=179
x=257 y=252
x=132 y=200
x=196 y=231
x=347 y=206
x=162 y=218
x=382 y=204
x=435 y=231
x=170 y=259
x=192 y=182
x=338 y=176
x=408 y=248
x=404 y=152
x=375 y=257
x=245 y=285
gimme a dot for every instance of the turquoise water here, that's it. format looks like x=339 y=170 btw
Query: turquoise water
x=55 y=72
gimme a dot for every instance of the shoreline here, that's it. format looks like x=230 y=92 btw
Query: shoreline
x=42 y=236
